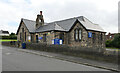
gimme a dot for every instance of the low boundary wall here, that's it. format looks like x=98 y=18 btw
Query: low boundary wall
x=99 y=54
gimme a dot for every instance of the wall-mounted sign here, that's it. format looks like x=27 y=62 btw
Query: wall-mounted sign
x=29 y=38
x=40 y=38
x=89 y=34
x=52 y=41
x=61 y=42
x=57 y=41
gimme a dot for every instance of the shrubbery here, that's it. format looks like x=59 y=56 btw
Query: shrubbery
x=11 y=36
x=115 y=43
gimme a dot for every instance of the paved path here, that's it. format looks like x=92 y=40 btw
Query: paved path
x=14 y=60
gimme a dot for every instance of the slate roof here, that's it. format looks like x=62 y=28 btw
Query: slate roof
x=30 y=24
x=50 y=27
x=63 y=25
x=89 y=25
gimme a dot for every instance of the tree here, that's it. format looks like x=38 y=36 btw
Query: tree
x=116 y=41
x=12 y=34
x=108 y=43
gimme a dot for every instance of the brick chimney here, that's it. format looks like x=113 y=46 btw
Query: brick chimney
x=40 y=12
x=39 y=20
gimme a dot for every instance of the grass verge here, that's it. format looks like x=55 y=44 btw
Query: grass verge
x=6 y=40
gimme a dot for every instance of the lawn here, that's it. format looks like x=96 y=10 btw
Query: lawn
x=6 y=40
x=112 y=48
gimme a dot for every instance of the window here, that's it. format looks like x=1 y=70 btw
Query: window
x=77 y=34
x=31 y=38
x=25 y=36
x=98 y=38
x=94 y=37
x=36 y=38
x=20 y=36
x=62 y=36
x=22 y=29
x=101 y=37
x=44 y=37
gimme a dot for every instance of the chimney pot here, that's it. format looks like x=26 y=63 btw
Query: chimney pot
x=40 y=12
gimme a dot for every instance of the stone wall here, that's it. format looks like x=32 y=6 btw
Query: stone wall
x=99 y=54
x=49 y=37
x=97 y=41
x=23 y=34
x=85 y=52
x=85 y=41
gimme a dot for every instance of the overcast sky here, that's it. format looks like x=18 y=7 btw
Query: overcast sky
x=102 y=12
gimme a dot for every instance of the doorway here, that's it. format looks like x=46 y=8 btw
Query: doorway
x=62 y=36
x=36 y=38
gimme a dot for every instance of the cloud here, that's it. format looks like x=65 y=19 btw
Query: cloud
x=102 y=12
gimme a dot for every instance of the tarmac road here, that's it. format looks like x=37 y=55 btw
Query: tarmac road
x=14 y=60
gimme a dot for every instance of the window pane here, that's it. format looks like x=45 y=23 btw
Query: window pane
x=101 y=37
x=76 y=34
x=79 y=34
x=20 y=36
x=22 y=29
x=25 y=36
x=94 y=37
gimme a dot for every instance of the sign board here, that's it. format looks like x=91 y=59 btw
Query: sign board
x=29 y=38
x=57 y=41
x=61 y=42
x=40 y=38
x=52 y=41
x=89 y=34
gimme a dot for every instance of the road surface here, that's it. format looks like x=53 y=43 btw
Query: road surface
x=14 y=60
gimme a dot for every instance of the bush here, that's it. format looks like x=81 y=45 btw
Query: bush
x=115 y=43
x=108 y=43
x=11 y=36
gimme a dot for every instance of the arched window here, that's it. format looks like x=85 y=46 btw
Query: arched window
x=25 y=36
x=80 y=34
x=77 y=34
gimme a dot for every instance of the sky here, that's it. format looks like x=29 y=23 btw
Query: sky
x=102 y=12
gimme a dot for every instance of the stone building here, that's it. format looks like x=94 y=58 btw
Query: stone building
x=77 y=31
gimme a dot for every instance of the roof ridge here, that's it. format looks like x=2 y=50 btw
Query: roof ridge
x=65 y=19
x=27 y=19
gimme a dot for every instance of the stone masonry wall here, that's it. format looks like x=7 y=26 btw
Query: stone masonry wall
x=85 y=41
x=49 y=37
x=23 y=34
